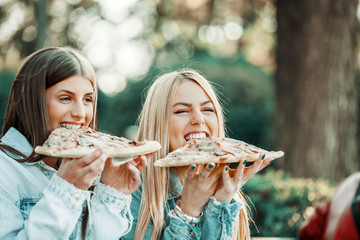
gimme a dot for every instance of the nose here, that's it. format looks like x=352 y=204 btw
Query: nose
x=78 y=112
x=197 y=118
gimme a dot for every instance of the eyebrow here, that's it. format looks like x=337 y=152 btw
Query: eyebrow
x=189 y=104
x=69 y=92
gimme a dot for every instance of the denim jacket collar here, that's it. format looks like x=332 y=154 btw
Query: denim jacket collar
x=16 y=140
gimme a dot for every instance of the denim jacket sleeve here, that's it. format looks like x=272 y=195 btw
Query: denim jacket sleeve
x=56 y=213
x=110 y=216
x=217 y=223
x=219 y=219
x=181 y=229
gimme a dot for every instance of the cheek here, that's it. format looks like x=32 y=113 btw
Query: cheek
x=54 y=112
x=89 y=114
x=175 y=133
x=214 y=126
x=176 y=127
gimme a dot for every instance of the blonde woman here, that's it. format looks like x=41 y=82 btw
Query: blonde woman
x=196 y=202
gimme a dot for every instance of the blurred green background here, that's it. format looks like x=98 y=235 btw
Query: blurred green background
x=286 y=73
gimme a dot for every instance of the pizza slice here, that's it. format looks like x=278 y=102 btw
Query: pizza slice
x=215 y=150
x=74 y=143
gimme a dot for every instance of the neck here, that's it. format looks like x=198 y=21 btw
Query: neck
x=51 y=161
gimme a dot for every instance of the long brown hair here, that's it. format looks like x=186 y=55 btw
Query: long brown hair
x=27 y=109
x=154 y=124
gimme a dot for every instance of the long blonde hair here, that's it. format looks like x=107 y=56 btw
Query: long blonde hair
x=154 y=124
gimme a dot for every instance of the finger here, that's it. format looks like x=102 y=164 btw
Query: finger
x=97 y=166
x=205 y=173
x=240 y=171
x=88 y=159
x=249 y=172
x=133 y=172
x=137 y=160
x=109 y=162
x=256 y=165
x=225 y=175
x=216 y=172
x=141 y=162
x=65 y=161
x=265 y=163
x=191 y=172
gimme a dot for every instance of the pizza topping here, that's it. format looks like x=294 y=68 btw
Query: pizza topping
x=137 y=143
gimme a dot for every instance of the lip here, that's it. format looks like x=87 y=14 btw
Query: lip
x=195 y=132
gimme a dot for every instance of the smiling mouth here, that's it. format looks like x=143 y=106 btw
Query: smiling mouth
x=195 y=136
x=70 y=126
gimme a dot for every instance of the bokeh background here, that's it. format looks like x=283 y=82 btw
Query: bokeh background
x=286 y=72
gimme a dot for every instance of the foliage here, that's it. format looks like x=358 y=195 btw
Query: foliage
x=280 y=204
x=31 y=25
x=246 y=93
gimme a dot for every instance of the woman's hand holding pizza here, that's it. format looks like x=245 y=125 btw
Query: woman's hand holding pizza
x=126 y=177
x=82 y=172
x=232 y=184
x=199 y=185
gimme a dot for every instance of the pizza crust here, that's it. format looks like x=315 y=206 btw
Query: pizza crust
x=204 y=159
x=148 y=147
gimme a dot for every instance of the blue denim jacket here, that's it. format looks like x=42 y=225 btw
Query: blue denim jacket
x=217 y=223
x=35 y=203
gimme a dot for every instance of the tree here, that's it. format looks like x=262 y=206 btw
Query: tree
x=27 y=26
x=315 y=81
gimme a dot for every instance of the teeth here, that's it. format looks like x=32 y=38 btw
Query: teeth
x=195 y=135
x=70 y=126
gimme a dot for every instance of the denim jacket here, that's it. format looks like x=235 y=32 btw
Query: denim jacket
x=35 y=203
x=217 y=223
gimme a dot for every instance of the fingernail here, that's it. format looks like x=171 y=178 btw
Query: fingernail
x=193 y=167
x=263 y=157
x=211 y=165
x=226 y=168
x=245 y=162
x=272 y=160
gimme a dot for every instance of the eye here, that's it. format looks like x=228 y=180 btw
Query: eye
x=65 y=99
x=89 y=100
x=208 y=110
x=180 y=111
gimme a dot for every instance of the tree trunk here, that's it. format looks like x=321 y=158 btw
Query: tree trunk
x=317 y=112
x=41 y=23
